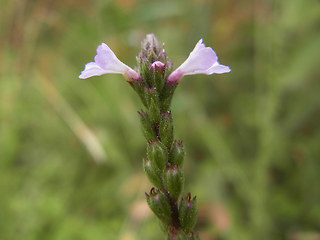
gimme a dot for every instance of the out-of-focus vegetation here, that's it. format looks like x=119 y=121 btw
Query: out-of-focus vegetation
x=71 y=149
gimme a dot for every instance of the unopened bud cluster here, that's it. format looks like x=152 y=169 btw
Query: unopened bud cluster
x=165 y=156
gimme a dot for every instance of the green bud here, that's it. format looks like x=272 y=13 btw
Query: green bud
x=137 y=85
x=194 y=237
x=188 y=212
x=147 y=126
x=159 y=69
x=154 y=111
x=191 y=236
x=151 y=94
x=173 y=180
x=166 y=129
x=159 y=205
x=145 y=71
x=185 y=236
x=177 y=153
x=153 y=173
x=164 y=227
x=166 y=95
x=151 y=49
x=157 y=153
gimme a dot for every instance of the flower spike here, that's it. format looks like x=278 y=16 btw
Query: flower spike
x=107 y=62
x=165 y=156
x=202 y=59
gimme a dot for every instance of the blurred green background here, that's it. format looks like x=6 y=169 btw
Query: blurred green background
x=71 y=149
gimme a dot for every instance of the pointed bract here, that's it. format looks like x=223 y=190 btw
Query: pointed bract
x=107 y=62
x=202 y=60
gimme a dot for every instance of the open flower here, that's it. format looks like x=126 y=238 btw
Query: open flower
x=203 y=60
x=106 y=62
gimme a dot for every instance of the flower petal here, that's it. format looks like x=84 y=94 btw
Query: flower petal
x=108 y=61
x=202 y=59
x=199 y=45
x=218 y=68
x=175 y=76
x=91 y=69
x=199 y=61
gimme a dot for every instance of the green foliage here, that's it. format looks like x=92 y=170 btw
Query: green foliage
x=70 y=149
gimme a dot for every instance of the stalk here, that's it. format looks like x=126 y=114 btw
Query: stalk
x=165 y=155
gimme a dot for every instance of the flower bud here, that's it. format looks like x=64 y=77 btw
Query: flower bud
x=159 y=79
x=138 y=86
x=157 y=153
x=185 y=236
x=145 y=71
x=147 y=126
x=151 y=48
x=151 y=93
x=159 y=205
x=177 y=153
x=192 y=236
x=166 y=129
x=154 y=111
x=158 y=66
x=166 y=94
x=173 y=180
x=153 y=173
x=188 y=212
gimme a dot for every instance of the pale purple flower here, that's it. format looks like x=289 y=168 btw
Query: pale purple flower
x=202 y=59
x=106 y=62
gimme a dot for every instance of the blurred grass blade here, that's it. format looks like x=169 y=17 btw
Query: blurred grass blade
x=79 y=128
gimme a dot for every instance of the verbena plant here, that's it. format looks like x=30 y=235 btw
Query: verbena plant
x=155 y=83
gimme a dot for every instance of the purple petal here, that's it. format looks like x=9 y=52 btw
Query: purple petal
x=218 y=68
x=131 y=74
x=202 y=59
x=199 y=61
x=107 y=60
x=175 y=76
x=91 y=69
x=157 y=64
x=198 y=46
